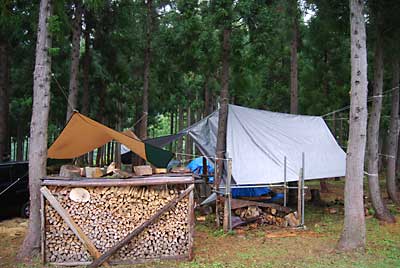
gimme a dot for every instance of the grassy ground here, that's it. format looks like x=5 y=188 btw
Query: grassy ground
x=266 y=246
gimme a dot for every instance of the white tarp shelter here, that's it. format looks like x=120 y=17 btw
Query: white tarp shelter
x=258 y=141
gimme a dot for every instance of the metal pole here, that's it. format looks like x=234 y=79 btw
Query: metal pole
x=228 y=186
x=284 y=182
x=302 y=188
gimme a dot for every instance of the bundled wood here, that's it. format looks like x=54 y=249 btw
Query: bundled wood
x=109 y=215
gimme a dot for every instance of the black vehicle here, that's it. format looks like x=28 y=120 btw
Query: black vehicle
x=14 y=189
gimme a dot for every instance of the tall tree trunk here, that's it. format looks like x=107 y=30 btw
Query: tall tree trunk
x=223 y=111
x=20 y=143
x=294 y=90
x=74 y=68
x=86 y=69
x=146 y=73
x=381 y=211
x=38 y=136
x=188 y=147
x=393 y=137
x=4 y=101
x=353 y=235
x=179 y=148
x=207 y=96
x=171 y=145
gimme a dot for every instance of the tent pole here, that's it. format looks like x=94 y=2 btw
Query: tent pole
x=227 y=225
x=284 y=182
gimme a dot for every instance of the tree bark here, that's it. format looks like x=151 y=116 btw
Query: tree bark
x=223 y=110
x=38 y=132
x=381 y=211
x=86 y=70
x=146 y=73
x=188 y=147
x=4 y=100
x=353 y=235
x=393 y=137
x=179 y=146
x=74 y=68
x=207 y=96
x=294 y=90
x=20 y=143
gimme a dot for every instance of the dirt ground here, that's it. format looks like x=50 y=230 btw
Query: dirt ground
x=266 y=246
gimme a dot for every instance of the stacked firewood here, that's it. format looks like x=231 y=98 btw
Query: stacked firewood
x=267 y=215
x=111 y=213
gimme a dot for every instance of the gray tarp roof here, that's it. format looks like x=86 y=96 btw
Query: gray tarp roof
x=258 y=141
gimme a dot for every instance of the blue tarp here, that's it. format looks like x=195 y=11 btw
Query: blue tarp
x=196 y=166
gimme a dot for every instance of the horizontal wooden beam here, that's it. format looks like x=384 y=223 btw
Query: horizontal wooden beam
x=85 y=182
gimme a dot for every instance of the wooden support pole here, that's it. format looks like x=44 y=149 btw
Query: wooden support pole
x=105 y=256
x=71 y=224
x=42 y=228
x=284 y=182
x=216 y=189
x=299 y=196
x=227 y=202
x=191 y=222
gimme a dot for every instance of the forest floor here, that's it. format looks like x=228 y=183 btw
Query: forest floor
x=267 y=246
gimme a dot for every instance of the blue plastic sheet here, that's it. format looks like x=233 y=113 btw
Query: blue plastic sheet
x=196 y=166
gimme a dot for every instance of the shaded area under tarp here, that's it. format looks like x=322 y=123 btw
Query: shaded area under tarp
x=82 y=135
x=258 y=141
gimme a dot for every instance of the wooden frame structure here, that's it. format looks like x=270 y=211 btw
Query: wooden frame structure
x=103 y=258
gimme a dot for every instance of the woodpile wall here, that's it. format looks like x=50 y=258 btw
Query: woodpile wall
x=113 y=212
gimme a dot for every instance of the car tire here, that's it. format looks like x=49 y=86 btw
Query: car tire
x=25 y=210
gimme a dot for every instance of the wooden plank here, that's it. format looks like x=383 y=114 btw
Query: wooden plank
x=71 y=224
x=85 y=182
x=238 y=203
x=42 y=228
x=125 y=262
x=191 y=222
x=97 y=262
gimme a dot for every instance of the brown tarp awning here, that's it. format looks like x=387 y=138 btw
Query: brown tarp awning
x=82 y=135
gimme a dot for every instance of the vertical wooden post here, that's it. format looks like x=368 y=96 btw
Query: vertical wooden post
x=284 y=183
x=299 y=195
x=227 y=204
x=216 y=189
x=42 y=228
x=191 y=222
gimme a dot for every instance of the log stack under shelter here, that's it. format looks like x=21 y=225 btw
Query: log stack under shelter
x=154 y=217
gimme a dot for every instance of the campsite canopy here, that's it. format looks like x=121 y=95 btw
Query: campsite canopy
x=82 y=135
x=258 y=141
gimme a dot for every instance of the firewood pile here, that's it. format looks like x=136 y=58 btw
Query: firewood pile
x=266 y=215
x=108 y=214
x=245 y=212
